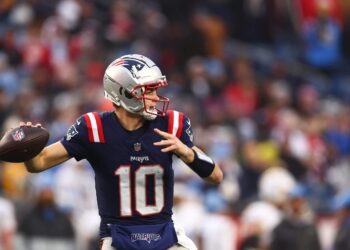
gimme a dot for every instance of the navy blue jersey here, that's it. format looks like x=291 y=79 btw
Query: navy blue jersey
x=134 y=180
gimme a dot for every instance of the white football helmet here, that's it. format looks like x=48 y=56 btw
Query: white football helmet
x=126 y=81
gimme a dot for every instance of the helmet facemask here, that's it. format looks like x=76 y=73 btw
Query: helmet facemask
x=161 y=103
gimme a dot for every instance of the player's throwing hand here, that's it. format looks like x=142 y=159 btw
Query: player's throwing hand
x=173 y=144
x=29 y=124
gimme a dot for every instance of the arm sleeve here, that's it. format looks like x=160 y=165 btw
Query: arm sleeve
x=187 y=134
x=76 y=140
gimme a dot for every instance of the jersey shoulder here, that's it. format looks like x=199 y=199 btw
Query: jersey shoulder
x=90 y=126
x=179 y=124
x=94 y=124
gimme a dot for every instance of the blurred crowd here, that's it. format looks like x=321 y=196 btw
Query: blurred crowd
x=266 y=84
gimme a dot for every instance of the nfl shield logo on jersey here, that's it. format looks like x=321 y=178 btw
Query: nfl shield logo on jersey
x=18 y=135
x=137 y=146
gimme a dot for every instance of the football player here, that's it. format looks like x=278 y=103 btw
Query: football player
x=130 y=150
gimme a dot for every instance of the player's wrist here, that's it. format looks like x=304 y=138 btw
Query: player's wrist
x=202 y=164
x=188 y=155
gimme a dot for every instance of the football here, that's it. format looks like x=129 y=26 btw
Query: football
x=22 y=143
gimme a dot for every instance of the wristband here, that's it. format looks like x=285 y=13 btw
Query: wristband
x=202 y=164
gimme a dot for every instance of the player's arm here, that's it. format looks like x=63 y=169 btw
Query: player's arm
x=202 y=164
x=216 y=175
x=195 y=158
x=50 y=156
x=74 y=144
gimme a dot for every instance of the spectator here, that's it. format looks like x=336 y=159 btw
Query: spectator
x=296 y=231
x=46 y=226
x=342 y=208
x=226 y=240
x=73 y=183
x=346 y=31
x=241 y=95
x=4 y=105
x=322 y=39
x=258 y=220
x=7 y=224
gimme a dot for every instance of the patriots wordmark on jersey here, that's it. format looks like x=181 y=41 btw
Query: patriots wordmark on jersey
x=134 y=180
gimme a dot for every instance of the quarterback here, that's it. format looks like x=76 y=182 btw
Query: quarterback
x=131 y=150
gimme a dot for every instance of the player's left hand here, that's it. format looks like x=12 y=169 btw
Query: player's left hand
x=171 y=143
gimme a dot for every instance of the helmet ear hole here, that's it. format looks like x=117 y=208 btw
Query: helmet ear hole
x=126 y=93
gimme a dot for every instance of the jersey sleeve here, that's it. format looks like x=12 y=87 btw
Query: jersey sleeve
x=180 y=126
x=76 y=140
x=187 y=134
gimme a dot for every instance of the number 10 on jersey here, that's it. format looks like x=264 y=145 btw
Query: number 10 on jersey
x=125 y=191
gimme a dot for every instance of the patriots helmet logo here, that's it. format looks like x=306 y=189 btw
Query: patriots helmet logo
x=134 y=65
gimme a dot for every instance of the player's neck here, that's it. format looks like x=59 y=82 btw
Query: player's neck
x=128 y=120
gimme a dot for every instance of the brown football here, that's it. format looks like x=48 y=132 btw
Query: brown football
x=23 y=143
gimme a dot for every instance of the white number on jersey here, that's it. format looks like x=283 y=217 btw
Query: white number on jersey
x=141 y=206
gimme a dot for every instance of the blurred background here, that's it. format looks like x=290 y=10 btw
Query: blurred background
x=266 y=84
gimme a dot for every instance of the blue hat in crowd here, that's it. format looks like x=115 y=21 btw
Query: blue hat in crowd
x=341 y=202
x=299 y=191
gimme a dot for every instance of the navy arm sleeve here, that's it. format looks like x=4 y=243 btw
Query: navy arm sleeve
x=187 y=134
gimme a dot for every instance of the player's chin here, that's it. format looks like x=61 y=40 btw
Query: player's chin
x=150 y=114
